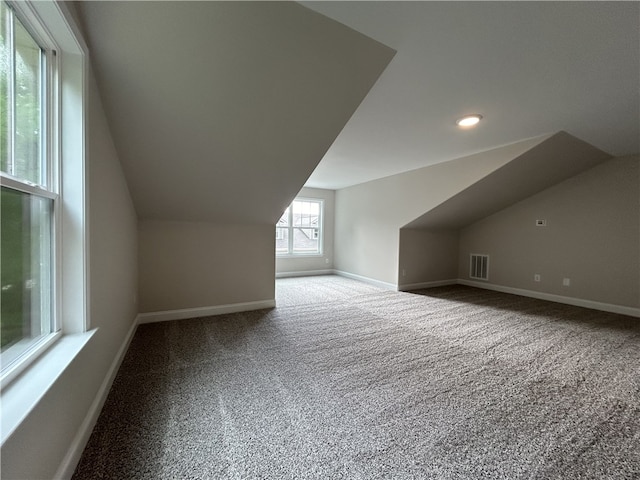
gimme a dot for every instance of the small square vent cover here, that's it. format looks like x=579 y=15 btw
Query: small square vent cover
x=479 y=267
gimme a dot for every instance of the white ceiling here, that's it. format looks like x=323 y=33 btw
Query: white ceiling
x=530 y=68
x=221 y=110
x=550 y=161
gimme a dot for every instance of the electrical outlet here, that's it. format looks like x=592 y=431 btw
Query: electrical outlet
x=326 y=260
x=404 y=272
x=541 y=223
x=536 y=277
x=566 y=282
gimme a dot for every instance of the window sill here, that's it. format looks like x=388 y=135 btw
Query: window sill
x=299 y=255
x=22 y=395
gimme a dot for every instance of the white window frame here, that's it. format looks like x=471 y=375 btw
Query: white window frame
x=53 y=27
x=290 y=227
x=16 y=355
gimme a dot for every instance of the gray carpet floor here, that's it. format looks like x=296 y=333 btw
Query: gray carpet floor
x=291 y=292
x=446 y=383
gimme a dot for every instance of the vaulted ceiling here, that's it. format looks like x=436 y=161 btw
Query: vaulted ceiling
x=221 y=110
x=551 y=161
x=531 y=68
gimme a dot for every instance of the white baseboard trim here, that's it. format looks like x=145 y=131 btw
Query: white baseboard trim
x=307 y=273
x=372 y=281
x=417 y=286
x=70 y=461
x=577 y=302
x=152 y=317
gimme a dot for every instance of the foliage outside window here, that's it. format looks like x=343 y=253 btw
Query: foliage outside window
x=29 y=193
x=299 y=230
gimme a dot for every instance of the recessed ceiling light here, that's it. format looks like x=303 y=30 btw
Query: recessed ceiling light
x=469 y=120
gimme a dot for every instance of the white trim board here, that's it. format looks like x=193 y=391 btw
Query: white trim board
x=307 y=273
x=23 y=394
x=185 y=313
x=372 y=281
x=72 y=457
x=577 y=302
x=417 y=286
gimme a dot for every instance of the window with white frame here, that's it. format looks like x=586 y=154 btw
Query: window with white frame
x=34 y=125
x=299 y=230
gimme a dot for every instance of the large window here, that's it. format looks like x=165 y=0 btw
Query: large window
x=299 y=230
x=35 y=132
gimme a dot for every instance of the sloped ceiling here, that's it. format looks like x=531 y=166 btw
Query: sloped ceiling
x=221 y=110
x=555 y=159
x=531 y=68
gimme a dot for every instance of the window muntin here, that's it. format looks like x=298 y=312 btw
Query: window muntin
x=299 y=230
x=27 y=294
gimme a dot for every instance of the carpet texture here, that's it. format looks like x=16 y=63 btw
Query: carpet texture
x=446 y=383
x=319 y=289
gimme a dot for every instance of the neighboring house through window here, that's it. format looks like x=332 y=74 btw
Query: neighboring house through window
x=299 y=230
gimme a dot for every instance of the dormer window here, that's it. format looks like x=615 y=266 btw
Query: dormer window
x=299 y=230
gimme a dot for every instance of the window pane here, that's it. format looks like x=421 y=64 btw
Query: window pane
x=25 y=302
x=27 y=155
x=282 y=240
x=305 y=219
x=304 y=241
x=302 y=207
x=5 y=111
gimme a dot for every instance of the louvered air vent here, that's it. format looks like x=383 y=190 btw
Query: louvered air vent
x=479 y=267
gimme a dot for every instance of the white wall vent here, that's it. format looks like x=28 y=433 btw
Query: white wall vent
x=479 y=267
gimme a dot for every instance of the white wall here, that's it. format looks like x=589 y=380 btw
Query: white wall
x=427 y=258
x=285 y=265
x=369 y=216
x=185 y=265
x=592 y=237
x=37 y=448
